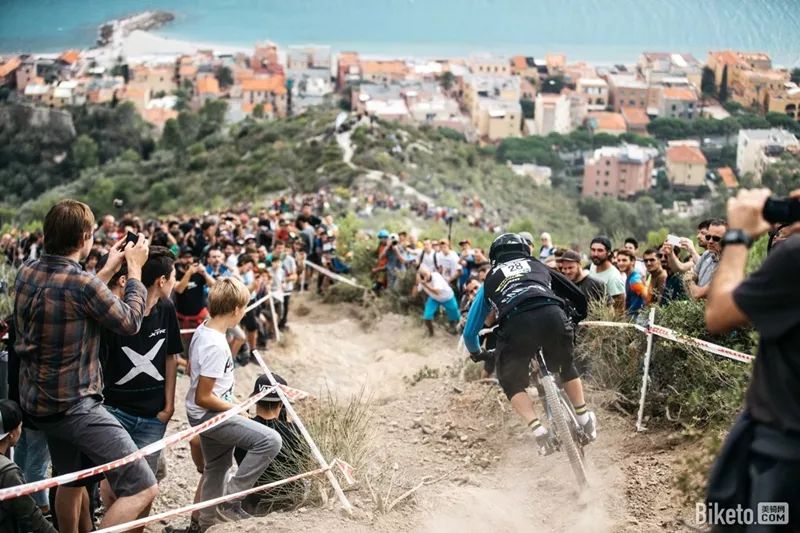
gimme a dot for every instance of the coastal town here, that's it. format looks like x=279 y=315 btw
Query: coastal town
x=381 y=267
x=485 y=98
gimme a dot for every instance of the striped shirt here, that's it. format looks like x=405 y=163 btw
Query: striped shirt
x=59 y=311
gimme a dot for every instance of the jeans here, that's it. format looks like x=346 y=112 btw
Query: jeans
x=142 y=430
x=285 y=310
x=218 y=443
x=33 y=458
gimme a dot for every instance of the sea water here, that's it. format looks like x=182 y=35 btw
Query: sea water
x=600 y=31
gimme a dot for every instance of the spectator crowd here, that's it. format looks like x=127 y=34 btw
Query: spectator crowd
x=623 y=278
x=109 y=312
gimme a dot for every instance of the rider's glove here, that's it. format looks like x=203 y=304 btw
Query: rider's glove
x=478 y=356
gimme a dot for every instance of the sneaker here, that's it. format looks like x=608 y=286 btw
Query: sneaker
x=546 y=443
x=231 y=512
x=590 y=428
x=193 y=527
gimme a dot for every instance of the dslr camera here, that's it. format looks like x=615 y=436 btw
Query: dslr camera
x=778 y=210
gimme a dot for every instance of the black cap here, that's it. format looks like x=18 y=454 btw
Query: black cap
x=262 y=383
x=605 y=241
x=10 y=417
x=186 y=250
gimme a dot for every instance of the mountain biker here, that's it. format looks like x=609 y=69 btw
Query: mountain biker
x=529 y=301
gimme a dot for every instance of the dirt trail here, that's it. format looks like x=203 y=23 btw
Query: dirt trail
x=460 y=437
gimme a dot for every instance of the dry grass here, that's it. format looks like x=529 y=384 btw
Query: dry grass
x=342 y=429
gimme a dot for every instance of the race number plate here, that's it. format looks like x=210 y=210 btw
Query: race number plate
x=515 y=268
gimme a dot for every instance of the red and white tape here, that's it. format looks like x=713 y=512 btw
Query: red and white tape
x=36 y=486
x=674 y=336
x=703 y=345
x=248 y=308
x=343 y=467
x=334 y=275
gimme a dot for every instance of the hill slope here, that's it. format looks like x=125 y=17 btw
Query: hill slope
x=200 y=164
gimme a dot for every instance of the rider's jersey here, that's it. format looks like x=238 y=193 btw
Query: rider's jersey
x=507 y=286
x=511 y=283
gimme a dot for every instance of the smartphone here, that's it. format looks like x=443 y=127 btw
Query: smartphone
x=673 y=240
x=131 y=237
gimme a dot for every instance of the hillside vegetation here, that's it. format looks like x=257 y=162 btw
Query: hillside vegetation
x=100 y=153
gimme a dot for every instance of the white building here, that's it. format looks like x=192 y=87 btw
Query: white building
x=596 y=92
x=757 y=149
x=552 y=114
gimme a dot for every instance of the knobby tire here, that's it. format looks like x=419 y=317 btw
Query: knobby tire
x=565 y=436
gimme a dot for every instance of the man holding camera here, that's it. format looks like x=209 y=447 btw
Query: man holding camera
x=760 y=461
x=440 y=294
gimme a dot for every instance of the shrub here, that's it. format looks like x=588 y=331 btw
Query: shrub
x=342 y=429
x=342 y=292
x=688 y=387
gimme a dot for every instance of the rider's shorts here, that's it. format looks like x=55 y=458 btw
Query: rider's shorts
x=519 y=338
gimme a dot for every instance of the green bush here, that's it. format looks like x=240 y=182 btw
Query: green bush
x=688 y=387
x=342 y=292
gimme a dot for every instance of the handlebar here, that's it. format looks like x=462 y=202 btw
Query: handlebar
x=483 y=355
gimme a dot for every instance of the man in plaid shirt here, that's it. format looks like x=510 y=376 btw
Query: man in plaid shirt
x=59 y=312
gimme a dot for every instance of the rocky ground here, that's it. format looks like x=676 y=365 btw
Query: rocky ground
x=447 y=454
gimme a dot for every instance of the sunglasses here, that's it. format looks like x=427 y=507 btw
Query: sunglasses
x=713 y=238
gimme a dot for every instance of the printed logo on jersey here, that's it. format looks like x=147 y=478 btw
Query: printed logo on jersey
x=142 y=364
x=157 y=332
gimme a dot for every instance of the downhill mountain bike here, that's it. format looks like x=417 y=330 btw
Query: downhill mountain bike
x=563 y=423
x=568 y=433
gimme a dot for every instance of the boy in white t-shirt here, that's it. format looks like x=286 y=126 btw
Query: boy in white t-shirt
x=210 y=393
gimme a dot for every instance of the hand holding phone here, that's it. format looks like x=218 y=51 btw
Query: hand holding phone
x=131 y=238
x=674 y=240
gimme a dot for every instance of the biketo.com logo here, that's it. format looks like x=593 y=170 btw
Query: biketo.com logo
x=767 y=513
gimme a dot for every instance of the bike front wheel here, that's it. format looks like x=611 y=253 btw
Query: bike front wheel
x=561 y=426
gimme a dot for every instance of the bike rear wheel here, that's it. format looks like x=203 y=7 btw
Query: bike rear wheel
x=562 y=428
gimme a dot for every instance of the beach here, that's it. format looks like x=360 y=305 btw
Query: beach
x=141 y=45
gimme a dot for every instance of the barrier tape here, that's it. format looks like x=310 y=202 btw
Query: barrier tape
x=334 y=275
x=248 y=308
x=341 y=465
x=607 y=324
x=36 y=486
x=674 y=336
x=703 y=345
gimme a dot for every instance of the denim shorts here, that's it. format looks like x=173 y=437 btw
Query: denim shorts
x=142 y=430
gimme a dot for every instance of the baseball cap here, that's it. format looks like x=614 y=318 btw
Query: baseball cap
x=262 y=383
x=526 y=235
x=571 y=255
